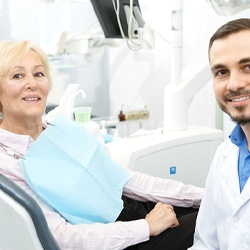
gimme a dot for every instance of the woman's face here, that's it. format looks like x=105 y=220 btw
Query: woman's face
x=24 y=89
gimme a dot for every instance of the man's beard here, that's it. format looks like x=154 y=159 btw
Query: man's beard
x=240 y=119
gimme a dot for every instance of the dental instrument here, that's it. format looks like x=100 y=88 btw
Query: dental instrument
x=11 y=152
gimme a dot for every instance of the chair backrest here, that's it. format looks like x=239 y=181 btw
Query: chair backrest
x=22 y=223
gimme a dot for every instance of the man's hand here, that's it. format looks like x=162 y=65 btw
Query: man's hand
x=161 y=218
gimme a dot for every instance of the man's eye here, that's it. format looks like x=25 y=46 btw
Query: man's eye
x=247 y=67
x=221 y=72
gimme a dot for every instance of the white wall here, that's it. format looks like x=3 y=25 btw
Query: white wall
x=148 y=72
x=123 y=76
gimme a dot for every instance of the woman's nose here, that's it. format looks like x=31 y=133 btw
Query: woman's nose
x=31 y=83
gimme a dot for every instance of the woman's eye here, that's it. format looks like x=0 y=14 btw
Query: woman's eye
x=39 y=74
x=17 y=76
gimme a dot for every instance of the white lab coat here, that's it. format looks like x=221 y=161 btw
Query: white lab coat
x=223 y=221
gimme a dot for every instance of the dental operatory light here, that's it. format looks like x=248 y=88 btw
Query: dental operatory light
x=230 y=7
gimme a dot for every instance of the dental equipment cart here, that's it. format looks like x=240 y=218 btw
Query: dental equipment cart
x=181 y=155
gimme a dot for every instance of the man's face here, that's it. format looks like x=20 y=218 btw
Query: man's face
x=230 y=65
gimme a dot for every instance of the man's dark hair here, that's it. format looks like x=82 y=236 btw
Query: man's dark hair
x=229 y=28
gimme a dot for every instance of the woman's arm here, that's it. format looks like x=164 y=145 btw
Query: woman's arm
x=117 y=235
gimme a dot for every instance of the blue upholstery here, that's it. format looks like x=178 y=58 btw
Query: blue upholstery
x=16 y=227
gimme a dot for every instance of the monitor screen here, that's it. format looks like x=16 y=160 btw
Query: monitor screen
x=106 y=15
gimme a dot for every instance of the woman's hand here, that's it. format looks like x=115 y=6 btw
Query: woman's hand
x=160 y=218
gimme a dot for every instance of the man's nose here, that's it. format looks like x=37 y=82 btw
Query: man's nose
x=237 y=81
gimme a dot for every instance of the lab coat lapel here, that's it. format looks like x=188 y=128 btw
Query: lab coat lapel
x=231 y=177
x=245 y=194
x=229 y=171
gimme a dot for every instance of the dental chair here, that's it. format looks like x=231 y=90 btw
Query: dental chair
x=22 y=223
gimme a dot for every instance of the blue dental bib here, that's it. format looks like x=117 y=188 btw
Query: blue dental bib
x=69 y=169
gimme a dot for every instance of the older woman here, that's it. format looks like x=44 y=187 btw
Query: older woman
x=156 y=224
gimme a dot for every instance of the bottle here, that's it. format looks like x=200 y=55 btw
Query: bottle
x=104 y=133
x=121 y=116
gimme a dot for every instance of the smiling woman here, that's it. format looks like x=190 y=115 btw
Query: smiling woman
x=24 y=86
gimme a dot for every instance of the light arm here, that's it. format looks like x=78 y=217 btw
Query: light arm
x=230 y=7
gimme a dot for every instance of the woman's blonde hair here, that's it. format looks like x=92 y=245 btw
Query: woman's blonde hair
x=12 y=52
